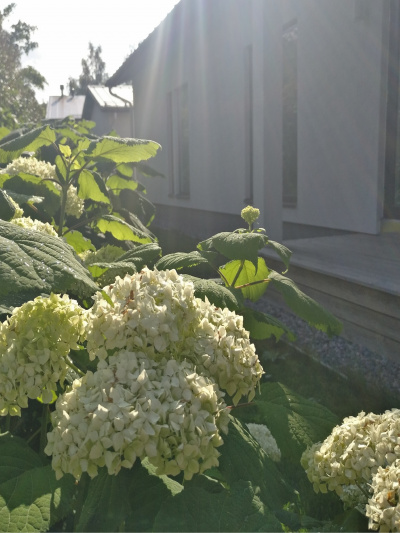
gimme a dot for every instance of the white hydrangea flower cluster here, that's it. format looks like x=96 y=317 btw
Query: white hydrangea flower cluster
x=74 y=205
x=265 y=439
x=19 y=212
x=34 y=343
x=134 y=407
x=383 y=508
x=36 y=225
x=353 y=454
x=30 y=165
x=156 y=312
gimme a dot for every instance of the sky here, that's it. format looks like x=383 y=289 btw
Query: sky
x=64 y=30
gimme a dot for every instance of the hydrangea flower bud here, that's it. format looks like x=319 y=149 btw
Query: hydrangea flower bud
x=250 y=214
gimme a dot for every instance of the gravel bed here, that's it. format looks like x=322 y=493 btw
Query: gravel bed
x=337 y=353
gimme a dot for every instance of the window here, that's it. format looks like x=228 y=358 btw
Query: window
x=289 y=114
x=392 y=170
x=178 y=131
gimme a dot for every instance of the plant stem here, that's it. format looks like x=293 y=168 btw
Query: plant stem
x=43 y=428
x=34 y=435
x=75 y=368
x=266 y=280
x=238 y=273
x=64 y=192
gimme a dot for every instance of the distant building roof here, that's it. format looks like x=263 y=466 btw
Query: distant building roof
x=65 y=106
x=121 y=98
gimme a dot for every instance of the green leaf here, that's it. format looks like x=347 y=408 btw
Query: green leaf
x=29 y=142
x=34 y=186
x=304 y=306
x=136 y=203
x=31 y=499
x=204 y=505
x=294 y=421
x=283 y=252
x=25 y=198
x=7 y=208
x=133 y=496
x=78 y=242
x=32 y=263
x=106 y=504
x=120 y=230
x=122 y=150
x=112 y=269
x=180 y=260
x=90 y=187
x=217 y=294
x=263 y=326
x=248 y=274
x=129 y=262
x=118 y=184
x=148 y=171
x=242 y=459
x=146 y=502
x=142 y=255
x=236 y=245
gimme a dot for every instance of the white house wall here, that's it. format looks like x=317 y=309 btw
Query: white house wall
x=211 y=62
x=339 y=115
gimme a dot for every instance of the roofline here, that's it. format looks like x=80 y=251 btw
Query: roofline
x=121 y=75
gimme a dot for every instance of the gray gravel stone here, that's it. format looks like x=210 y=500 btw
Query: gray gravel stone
x=338 y=353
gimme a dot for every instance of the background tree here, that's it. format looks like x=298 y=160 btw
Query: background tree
x=93 y=72
x=18 y=103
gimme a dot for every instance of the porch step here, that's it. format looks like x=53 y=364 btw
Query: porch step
x=355 y=277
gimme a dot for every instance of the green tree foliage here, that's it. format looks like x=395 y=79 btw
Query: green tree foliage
x=18 y=103
x=93 y=72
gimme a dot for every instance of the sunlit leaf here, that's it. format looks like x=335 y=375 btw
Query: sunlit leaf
x=122 y=150
x=248 y=274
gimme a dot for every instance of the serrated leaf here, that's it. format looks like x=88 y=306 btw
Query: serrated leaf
x=118 y=184
x=122 y=150
x=294 y=421
x=180 y=260
x=34 y=186
x=32 y=263
x=31 y=499
x=148 y=171
x=30 y=142
x=242 y=459
x=90 y=187
x=248 y=274
x=25 y=198
x=204 y=505
x=304 y=306
x=106 y=504
x=137 y=204
x=121 y=230
x=142 y=255
x=16 y=457
x=235 y=245
x=263 y=326
x=217 y=294
x=7 y=208
x=78 y=242
x=146 y=503
x=283 y=252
